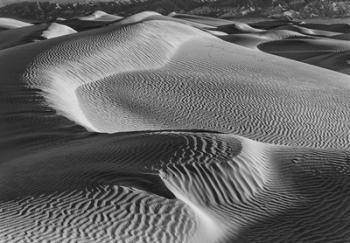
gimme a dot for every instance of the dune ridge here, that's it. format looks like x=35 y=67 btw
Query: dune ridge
x=56 y=30
x=84 y=70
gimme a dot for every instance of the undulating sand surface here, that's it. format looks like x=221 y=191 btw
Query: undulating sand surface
x=174 y=128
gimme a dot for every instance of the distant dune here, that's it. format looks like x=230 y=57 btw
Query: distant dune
x=8 y=23
x=178 y=128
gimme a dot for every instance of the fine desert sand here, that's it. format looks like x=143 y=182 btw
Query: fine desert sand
x=178 y=128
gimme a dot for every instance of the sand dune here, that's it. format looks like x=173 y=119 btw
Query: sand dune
x=220 y=187
x=152 y=129
x=337 y=61
x=325 y=52
x=20 y=36
x=338 y=27
x=8 y=23
x=95 y=20
x=56 y=30
x=202 y=19
x=253 y=40
x=307 y=31
x=101 y=16
x=166 y=83
x=138 y=17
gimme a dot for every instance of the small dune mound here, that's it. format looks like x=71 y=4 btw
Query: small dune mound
x=57 y=30
x=238 y=28
x=138 y=17
x=100 y=16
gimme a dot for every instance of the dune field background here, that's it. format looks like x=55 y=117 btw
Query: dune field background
x=174 y=127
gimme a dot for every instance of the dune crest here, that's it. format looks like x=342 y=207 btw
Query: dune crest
x=56 y=30
x=159 y=74
x=107 y=59
x=100 y=16
x=8 y=23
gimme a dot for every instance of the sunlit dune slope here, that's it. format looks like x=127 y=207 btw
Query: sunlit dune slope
x=161 y=74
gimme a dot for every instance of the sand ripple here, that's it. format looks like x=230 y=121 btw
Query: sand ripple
x=221 y=188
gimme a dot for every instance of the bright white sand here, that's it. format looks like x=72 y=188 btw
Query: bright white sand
x=57 y=30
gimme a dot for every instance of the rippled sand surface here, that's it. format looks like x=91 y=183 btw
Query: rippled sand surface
x=174 y=128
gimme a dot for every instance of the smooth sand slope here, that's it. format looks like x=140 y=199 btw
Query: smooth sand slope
x=78 y=166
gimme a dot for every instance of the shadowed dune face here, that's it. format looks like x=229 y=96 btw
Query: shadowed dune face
x=20 y=36
x=254 y=40
x=324 y=52
x=105 y=133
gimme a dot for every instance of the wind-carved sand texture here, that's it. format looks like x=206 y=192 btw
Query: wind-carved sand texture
x=159 y=128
